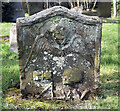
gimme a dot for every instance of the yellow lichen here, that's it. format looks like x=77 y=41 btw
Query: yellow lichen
x=46 y=75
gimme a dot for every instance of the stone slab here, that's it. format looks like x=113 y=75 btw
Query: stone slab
x=59 y=53
x=13 y=38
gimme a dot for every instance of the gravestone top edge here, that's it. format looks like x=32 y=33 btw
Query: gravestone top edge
x=59 y=11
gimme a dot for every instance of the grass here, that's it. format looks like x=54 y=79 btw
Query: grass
x=109 y=44
x=108 y=98
x=10 y=68
x=109 y=67
x=5 y=29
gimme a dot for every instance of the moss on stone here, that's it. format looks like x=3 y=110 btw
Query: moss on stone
x=55 y=19
x=71 y=76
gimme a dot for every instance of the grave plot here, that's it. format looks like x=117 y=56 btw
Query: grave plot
x=59 y=54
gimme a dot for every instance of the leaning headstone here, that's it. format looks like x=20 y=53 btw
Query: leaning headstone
x=59 y=53
x=13 y=38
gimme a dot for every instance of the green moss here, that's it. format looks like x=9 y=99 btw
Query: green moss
x=17 y=101
x=12 y=99
x=55 y=19
x=31 y=103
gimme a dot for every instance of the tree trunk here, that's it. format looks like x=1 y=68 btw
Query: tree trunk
x=28 y=7
x=78 y=3
x=115 y=8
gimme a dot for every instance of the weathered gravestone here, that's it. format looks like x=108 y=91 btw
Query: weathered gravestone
x=59 y=53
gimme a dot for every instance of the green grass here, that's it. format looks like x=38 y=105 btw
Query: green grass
x=5 y=29
x=109 y=67
x=109 y=44
x=10 y=68
x=108 y=98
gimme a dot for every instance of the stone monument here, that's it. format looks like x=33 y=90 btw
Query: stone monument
x=59 y=54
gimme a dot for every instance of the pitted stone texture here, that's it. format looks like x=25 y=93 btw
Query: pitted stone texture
x=59 y=53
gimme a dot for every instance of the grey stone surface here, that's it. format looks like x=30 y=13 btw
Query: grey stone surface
x=59 y=53
x=13 y=38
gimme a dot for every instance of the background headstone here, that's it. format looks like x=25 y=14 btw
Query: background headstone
x=13 y=38
x=104 y=9
x=59 y=53
x=18 y=11
x=34 y=7
x=11 y=11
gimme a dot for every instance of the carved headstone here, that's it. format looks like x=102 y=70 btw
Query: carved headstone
x=59 y=53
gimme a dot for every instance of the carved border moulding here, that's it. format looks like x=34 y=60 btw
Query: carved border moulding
x=59 y=54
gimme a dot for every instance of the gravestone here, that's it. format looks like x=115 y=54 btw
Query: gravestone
x=59 y=53
x=104 y=9
x=13 y=38
x=18 y=11
x=34 y=7
x=11 y=11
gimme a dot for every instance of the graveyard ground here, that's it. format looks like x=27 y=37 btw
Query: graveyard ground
x=107 y=97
